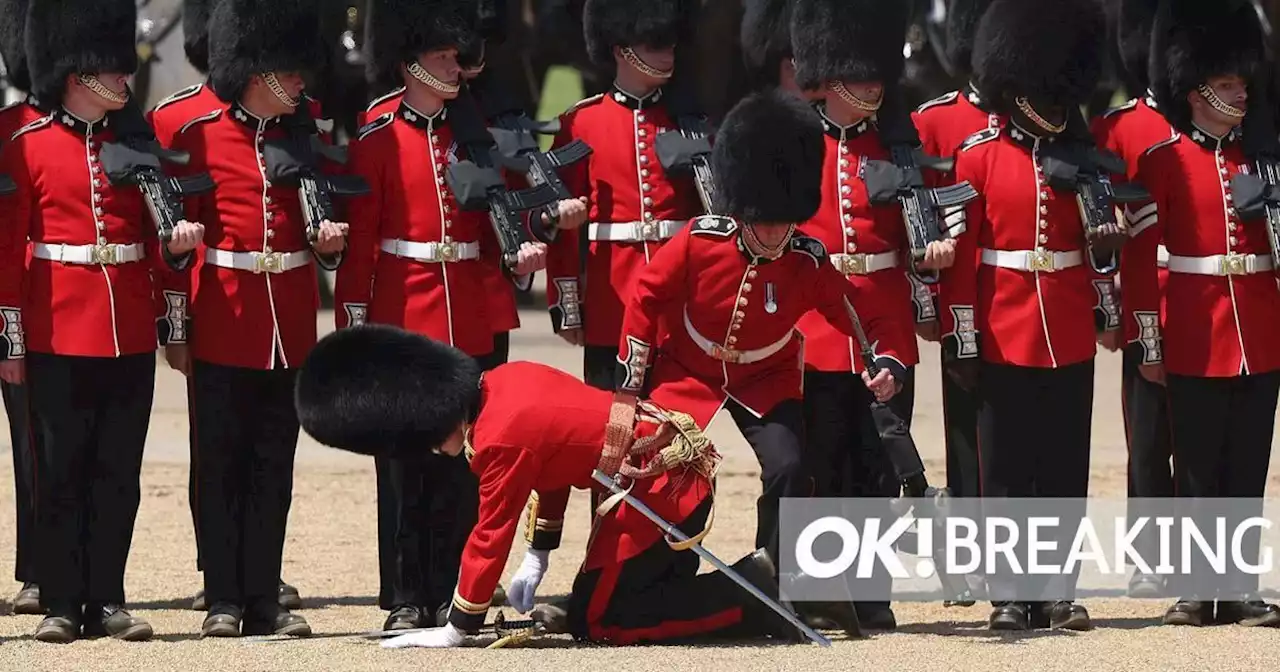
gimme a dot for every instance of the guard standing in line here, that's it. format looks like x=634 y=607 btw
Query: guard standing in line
x=1017 y=306
x=1211 y=337
x=766 y=46
x=1129 y=131
x=253 y=310
x=80 y=322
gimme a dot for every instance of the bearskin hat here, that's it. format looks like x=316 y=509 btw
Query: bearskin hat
x=250 y=37
x=767 y=160
x=195 y=32
x=766 y=38
x=379 y=390
x=848 y=40
x=619 y=23
x=64 y=37
x=1134 y=19
x=962 y=22
x=13 y=42
x=400 y=30
x=1193 y=40
x=1050 y=51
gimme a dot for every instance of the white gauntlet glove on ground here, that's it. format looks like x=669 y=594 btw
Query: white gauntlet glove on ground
x=525 y=582
x=435 y=638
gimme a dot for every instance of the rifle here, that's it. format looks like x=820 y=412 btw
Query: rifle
x=135 y=160
x=295 y=160
x=1086 y=170
x=1258 y=197
x=687 y=150
x=908 y=467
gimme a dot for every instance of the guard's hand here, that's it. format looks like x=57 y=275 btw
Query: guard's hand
x=573 y=336
x=531 y=257
x=13 y=371
x=527 y=579
x=1153 y=373
x=432 y=638
x=186 y=236
x=572 y=213
x=332 y=238
x=884 y=386
x=1110 y=340
x=178 y=355
x=939 y=254
x=930 y=331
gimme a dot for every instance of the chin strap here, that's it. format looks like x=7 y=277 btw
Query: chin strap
x=420 y=73
x=1027 y=110
x=273 y=83
x=95 y=85
x=847 y=96
x=1219 y=104
x=638 y=63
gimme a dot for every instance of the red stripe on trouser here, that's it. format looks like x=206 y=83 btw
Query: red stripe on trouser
x=613 y=634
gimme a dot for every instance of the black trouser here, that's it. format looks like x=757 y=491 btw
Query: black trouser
x=600 y=367
x=246 y=438
x=91 y=416
x=1146 y=423
x=960 y=409
x=1222 y=429
x=25 y=451
x=193 y=488
x=501 y=352
x=778 y=441
x=1035 y=436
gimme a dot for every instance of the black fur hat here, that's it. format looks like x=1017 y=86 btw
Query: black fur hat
x=400 y=30
x=619 y=23
x=767 y=160
x=13 y=42
x=1051 y=51
x=250 y=37
x=195 y=32
x=64 y=37
x=1193 y=40
x=378 y=390
x=962 y=22
x=849 y=40
x=766 y=38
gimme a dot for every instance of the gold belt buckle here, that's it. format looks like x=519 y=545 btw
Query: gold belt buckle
x=725 y=354
x=1233 y=264
x=1042 y=260
x=854 y=264
x=268 y=262
x=447 y=251
x=108 y=254
x=648 y=231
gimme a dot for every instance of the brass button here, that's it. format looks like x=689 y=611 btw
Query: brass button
x=848 y=231
x=746 y=287
x=742 y=300
x=739 y=315
x=733 y=339
x=642 y=145
x=852 y=247
x=751 y=274
x=846 y=204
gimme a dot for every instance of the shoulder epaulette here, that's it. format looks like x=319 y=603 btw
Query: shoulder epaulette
x=383 y=98
x=37 y=124
x=1163 y=143
x=585 y=102
x=944 y=99
x=381 y=122
x=812 y=247
x=179 y=95
x=1120 y=108
x=985 y=135
x=713 y=225
x=199 y=120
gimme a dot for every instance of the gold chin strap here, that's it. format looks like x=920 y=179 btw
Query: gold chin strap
x=273 y=83
x=847 y=96
x=760 y=249
x=420 y=73
x=1219 y=104
x=95 y=85
x=637 y=63
x=1024 y=106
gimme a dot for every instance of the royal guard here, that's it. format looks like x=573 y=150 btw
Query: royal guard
x=13 y=19
x=944 y=124
x=766 y=46
x=635 y=207
x=1129 y=131
x=1210 y=337
x=253 y=304
x=1017 y=307
x=80 y=317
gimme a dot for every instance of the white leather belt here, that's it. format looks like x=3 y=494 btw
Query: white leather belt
x=258 y=262
x=864 y=264
x=1162 y=256
x=431 y=253
x=1045 y=261
x=634 y=232
x=1221 y=264
x=110 y=254
x=721 y=353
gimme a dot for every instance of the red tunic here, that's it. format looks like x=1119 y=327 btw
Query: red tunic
x=1129 y=131
x=862 y=239
x=1028 y=316
x=634 y=208
x=171 y=114
x=242 y=317
x=546 y=445
x=1215 y=325
x=712 y=297
x=63 y=308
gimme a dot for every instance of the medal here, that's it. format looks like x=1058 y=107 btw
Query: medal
x=770 y=299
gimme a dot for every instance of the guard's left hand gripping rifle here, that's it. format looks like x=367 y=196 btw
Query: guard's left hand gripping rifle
x=687 y=150
x=134 y=159
x=295 y=160
x=1082 y=168
x=903 y=453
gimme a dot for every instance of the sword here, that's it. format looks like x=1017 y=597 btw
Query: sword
x=673 y=532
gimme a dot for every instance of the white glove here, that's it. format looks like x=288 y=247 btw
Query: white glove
x=525 y=582
x=434 y=638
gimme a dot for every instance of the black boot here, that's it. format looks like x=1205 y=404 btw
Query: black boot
x=267 y=617
x=1010 y=616
x=61 y=626
x=876 y=615
x=837 y=614
x=404 y=617
x=1146 y=586
x=223 y=621
x=1249 y=613
x=288 y=596
x=27 y=601
x=1189 y=612
x=758 y=569
x=1069 y=616
x=111 y=620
